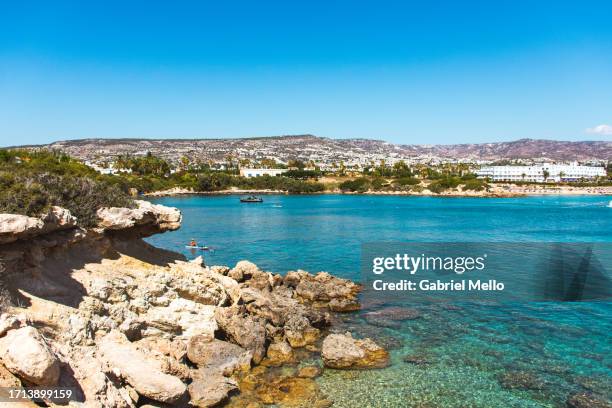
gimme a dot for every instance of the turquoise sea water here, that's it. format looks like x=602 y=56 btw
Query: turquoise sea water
x=464 y=355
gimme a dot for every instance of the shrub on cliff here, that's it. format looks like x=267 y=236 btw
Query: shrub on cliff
x=31 y=182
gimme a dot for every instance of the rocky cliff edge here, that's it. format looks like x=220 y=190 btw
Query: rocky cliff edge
x=125 y=324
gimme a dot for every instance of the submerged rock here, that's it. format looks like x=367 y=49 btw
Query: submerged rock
x=279 y=353
x=310 y=371
x=26 y=354
x=586 y=400
x=343 y=351
x=522 y=380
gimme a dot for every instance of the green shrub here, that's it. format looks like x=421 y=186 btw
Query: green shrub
x=407 y=181
x=361 y=185
x=475 y=184
x=32 y=182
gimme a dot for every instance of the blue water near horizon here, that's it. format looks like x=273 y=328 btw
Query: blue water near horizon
x=464 y=354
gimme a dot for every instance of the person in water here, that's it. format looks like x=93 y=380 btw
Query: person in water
x=193 y=243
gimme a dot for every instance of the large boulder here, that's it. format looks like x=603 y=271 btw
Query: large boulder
x=324 y=287
x=209 y=388
x=218 y=355
x=243 y=270
x=299 y=332
x=243 y=329
x=57 y=219
x=26 y=354
x=141 y=372
x=183 y=317
x=279 y=353
x=343 y=351
x=144 y=220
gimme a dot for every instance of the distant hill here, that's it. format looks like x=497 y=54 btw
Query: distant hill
x=308 y=147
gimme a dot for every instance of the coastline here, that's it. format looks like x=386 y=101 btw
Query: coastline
x=123 y=322
x=496 y=191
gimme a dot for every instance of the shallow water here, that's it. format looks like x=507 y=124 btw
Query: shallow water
x=468 y=355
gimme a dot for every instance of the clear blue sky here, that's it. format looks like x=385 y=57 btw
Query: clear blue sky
x=407 y=72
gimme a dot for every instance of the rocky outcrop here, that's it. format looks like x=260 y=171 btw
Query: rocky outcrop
x=343 y=351
x=139 y=371
x=144 y=220
x=15 y=227
x=124 y=321
x=26 y=354
x=243 y=329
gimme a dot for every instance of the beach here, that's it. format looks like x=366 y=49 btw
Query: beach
x=496 y=190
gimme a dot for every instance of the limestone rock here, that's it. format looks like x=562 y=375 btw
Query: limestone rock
x=324 y=287
x=218 y=355
x=209 y=388
x=343 y=351
x=144 y=220
x=9 y=322
x=15 y=226
x=279 y=353
x=58 y=219
x=299 y=331
x=98 y=389
x=142 y=373
x=242 y=329
x=243 y=270
x=26 y=354
x=183 y=317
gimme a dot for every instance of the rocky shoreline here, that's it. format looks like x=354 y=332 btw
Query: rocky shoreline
x=496 y=191
x=125 y=324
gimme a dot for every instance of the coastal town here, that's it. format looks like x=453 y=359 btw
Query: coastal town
x=524 y=160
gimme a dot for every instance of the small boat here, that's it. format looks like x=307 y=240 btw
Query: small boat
x=610 y=204
x=251 y=199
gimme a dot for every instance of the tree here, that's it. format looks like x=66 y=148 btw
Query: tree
x=545 y=174
x=184 y=163
x=401 y=169
x=268 y=163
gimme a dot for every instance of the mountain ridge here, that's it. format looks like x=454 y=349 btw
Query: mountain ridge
x=308 y=146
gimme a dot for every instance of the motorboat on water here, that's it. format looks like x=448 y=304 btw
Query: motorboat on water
x=251 y=199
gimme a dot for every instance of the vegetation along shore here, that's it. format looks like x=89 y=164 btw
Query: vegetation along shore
x=31 y=181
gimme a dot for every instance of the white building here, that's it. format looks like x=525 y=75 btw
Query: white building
x=261 y=172
x=536 y=173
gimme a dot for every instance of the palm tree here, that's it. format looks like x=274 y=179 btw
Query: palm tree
x=545 y=174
